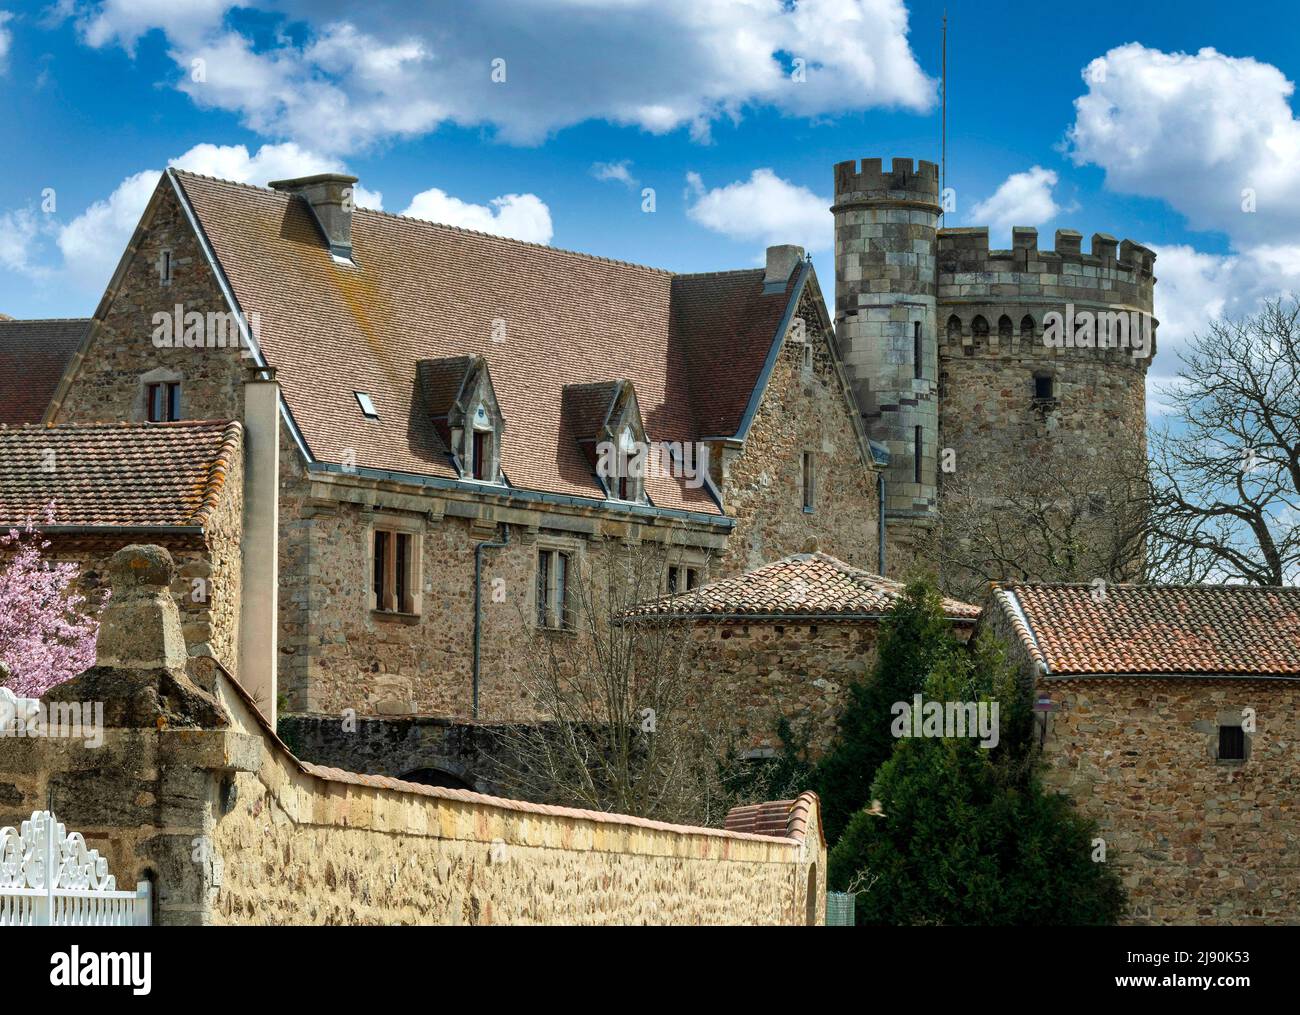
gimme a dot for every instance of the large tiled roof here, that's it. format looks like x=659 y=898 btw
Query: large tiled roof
x=693 y=346
x=1119 y=630
x=137 y=474
x=33 y=355
x=801 y=585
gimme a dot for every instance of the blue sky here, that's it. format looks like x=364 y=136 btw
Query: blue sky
x=1121 y=118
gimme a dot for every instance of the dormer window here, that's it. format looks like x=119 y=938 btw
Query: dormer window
x=629 y=478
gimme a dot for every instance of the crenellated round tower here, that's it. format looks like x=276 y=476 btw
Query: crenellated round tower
x=886 y=286
x=969 y=364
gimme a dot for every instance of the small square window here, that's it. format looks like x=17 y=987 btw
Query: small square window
x=1044 y=388
x=163 y=401
x=1232 y=743
x=367 y=405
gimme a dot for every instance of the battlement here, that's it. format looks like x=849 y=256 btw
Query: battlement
x=967 y=250
x=904 y=181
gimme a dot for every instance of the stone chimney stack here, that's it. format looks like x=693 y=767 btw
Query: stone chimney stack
x=781 y=261
x=259 y=616
x=330 y=198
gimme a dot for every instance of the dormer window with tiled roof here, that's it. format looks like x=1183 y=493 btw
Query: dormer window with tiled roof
x=459 y=396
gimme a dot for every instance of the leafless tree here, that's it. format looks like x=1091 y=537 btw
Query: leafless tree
x=624 y=721
x=1226 y=464
x=1074 y=513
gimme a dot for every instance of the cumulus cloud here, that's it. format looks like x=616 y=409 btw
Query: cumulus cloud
x=619 y=171
x=764 y=208
x=1022 y=199
x=526 y=69
x=1195 y=130
x=1214 y=137
x=518 y=216
x=19 y=232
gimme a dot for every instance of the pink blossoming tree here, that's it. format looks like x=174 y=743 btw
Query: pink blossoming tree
x=47 y=632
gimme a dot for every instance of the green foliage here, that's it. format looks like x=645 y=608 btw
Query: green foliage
x=914 y=638
x=781 y=777
x=968 y=835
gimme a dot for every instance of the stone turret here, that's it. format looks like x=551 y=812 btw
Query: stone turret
x=885 y=296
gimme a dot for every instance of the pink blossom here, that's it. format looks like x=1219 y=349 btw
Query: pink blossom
x=47 y=630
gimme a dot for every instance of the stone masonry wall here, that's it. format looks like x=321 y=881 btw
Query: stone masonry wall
x=797 y=671
x=1195 y=840
x=801 y=411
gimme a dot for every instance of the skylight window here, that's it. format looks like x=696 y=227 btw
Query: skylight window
x=367 y=406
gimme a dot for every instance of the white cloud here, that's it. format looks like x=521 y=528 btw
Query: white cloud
x=19 y=230
x=93 y=242
x=764 y=208
x=519 y=216
x=1022 y=199
x=6 y=40
x=337 y=83
x=1195 y=131
x=620 y=171
x=271 y=162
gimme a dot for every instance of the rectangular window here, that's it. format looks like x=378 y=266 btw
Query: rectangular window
x=481 y=454
x=918 y=370
x=1043 y=388
x=165 y=267
x=1232 y=743
x=809 y=482
x=395 y=572
x=553 y=590
x=682 y=578
x=164 y=402
x=916 y=453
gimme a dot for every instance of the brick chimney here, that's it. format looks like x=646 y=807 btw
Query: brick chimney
x=781 y=261
x=330 y=198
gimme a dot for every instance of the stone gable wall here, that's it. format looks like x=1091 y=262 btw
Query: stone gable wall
x=763 y=486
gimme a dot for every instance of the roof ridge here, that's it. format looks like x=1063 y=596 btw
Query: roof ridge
x=176 y=424
x=722 y=271
x=444 y=225
x=1155 y=586
x=218 y=471
x=44 y=320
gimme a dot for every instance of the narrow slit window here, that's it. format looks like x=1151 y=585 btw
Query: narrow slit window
x=809 y=482
x=917 y=448
x=918 y=362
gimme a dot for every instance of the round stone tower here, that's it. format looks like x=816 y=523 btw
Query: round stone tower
x=886 y=294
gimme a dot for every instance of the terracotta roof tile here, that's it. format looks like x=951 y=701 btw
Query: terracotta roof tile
x=693 y=346
x=1225 y=630
x=788 y=818
x=801 y=585
x=33 y=355
x=141 y=474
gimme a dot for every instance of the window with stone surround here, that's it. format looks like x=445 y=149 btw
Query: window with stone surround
x=163 y=402
x=682 y=578
x=1044 y=388
x=554 y=570
x=395 y=546
x=1232 y=743
x=808 y=481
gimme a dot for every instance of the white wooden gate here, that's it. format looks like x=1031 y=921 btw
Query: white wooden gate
x=80 y=894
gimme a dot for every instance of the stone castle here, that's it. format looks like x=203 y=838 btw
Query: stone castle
x=943 y=339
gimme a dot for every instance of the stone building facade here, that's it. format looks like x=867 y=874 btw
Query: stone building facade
x=1169 y=716
x=192 y=790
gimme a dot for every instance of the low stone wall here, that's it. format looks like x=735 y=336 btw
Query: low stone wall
x=191 y=788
